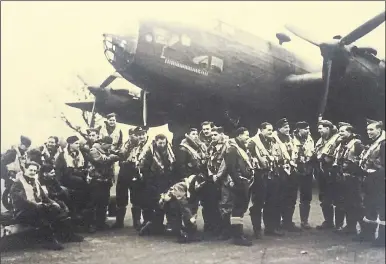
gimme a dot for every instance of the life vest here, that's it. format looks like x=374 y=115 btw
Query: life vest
x=46 y=153
x=129 y=150
x=349 y=151
x=19 y=163
x=264 y=157
x=327 y=147
x=29 y=192
x=70 y=161
x=283 y=148
x=204 y=140
x=308 y=148
x=216 y=156
x=141 y=150
x=371 y=158
x=155 y=155
x=194 y=153
x=243 y=154
x=115 y=135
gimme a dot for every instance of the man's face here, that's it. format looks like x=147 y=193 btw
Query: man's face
x=31 y=171
x=267 y=131
x=373 y=132
x=323 y=131
x=215 y=136
x=133 y=137
x=49 y=174
x=304 y=132
x=142 y=137
x=23 y=147
x=75 y=145
x=243 y=138
x=193 y=135
x=206 y=129
x=105 y=146
x=161 y=143
x=93 y=136
x=51 y=143
x=343 y=133
x=285 y=130
x=112 y=121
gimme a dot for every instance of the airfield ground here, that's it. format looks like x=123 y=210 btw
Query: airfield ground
x=125 y=246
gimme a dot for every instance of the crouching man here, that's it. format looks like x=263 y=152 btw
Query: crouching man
x=181 y=200
x=32 y=206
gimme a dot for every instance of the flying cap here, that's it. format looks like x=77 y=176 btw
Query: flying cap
x=111 y=115
x=218 y=129
x=370 y=121
x=326 y=123
x=132 y=131
x=25 y=141
x=341 y=124
x=55 y=138
x=282 y=123
x=92 y=130
x=140 y=130
x=72 y=139
x=240 y=131
x=32 y=163
x=301 y=125
x=193 y=129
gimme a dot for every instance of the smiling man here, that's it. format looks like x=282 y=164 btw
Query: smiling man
x=32 y=206
x=348 y=198
x=373 y=165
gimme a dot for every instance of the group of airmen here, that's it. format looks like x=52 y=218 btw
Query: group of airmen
x=63 y=185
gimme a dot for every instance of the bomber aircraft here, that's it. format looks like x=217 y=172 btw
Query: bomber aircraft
x=226 y=75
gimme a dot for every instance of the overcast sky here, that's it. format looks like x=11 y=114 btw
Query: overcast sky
x=45 y=44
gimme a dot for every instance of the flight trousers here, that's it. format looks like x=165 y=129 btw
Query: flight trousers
x=128 y=180
x=100 y=195
x=289 y=185
x=326 y=181
x=374 y=205
x=210 y=199
x=305 y=190
x=265 y=199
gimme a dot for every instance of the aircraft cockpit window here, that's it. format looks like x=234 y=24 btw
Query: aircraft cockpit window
x=173 y=40
x=161 y=36
x=165 y=37
x=217 y=64
x=202 y=61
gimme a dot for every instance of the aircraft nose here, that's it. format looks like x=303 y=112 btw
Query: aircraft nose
x=119 y=49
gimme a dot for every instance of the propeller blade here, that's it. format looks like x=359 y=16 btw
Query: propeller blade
x=363 y=29
x=92 y=119
x=108 y=80
x=81 y=79
x=144 y=109
x=326 y=90
x=296 y=31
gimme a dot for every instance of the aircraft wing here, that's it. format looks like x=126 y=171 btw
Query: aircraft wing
x=304 y=79
x=86 y=106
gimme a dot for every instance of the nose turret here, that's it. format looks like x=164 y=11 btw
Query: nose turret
x=120 y=50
